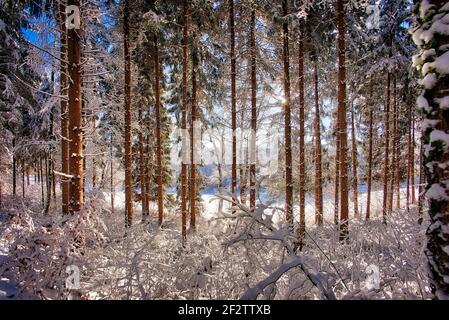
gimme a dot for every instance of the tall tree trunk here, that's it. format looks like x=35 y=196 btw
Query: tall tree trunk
x=397 y=150
x=370 y=152
x=112 y=174
x=337 y=174
x=65 y=162
x=341 y=27
x=42 y=181
x=421 y=177
x=75 y=117
x=160 y=194
x=287 y=120
x=14 y=166
x=386 y=151
x=253 y=136
x=192 y=152
x=412 y=167
x=317 y=153
x=436 y=155
x=184 y=120
x=142 y=171
x=233 y=101
x=354 y=165
x=409 y=146
x=128 y=129
x=23 y=179
x=301 y=150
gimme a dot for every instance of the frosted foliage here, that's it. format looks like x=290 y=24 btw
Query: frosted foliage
x=252 y=258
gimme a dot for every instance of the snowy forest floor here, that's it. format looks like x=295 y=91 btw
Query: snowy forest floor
x=225 y=257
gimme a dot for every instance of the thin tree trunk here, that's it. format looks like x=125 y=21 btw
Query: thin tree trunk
x=143 y=191
x=65 y=162
x=233 y=101
x=23 y=179
x=397 y=150
x=409 y=151
x=128 y=129
x=48 y=162
x=14 y=165
x=252 y=168
x=412 y=167
x=302 y=174
x=341 y=27
x=370 y=153
x=386 y=150
x=42 y=182
x=75 y=118
x=287 y=121
x=193 y=153
x=337 y=174
x=112 y=174
x=160 y=194
x=184 y=120
x=421 y=195
x=317 y=138
x=354 y=165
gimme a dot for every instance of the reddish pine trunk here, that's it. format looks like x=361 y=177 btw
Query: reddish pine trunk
x=193 y=153
x=287 y=121
x=75 y=117
x=386 y=150
x=233 y=100
x=370 y=153
x=112 y=175
x=337 y=173
x=160 y=194
x=412 y=167
x=396 y=148
x=341 y=27
x=302 y=171
x=354 y=165
x=252 y=169
x=409 y=151
x=64 y=182
x=142 y=171
x=184 y=119
x=128 y=146
x=317 y=138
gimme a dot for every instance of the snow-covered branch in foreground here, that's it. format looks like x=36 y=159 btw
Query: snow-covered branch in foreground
x=296 y=261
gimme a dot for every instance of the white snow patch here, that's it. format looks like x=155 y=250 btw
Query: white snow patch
x=443 y=102
x=439 y=135
x=429 y=81
x=437 y=192
x=423 y=104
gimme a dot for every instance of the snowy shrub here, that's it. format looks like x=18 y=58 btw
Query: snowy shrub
x=43 y=247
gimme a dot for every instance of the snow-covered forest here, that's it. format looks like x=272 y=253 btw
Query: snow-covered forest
x=224 y=149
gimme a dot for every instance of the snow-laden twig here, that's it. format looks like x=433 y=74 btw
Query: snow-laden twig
x=296 y=261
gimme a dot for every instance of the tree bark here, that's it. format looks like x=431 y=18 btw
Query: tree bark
x=233 y=101
x=128 y=129
x=75 y=117
x=253 y=137
x=142 y=170
x=436 y=155
x=287 y=120
x=301 y=150
x=184 y=120
x=317 y=138
x=160 y=193
x=370 y=153
x=192 y=152
x=341 y=27
x=354 y=165
x=65 y=162
x=386 y=150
